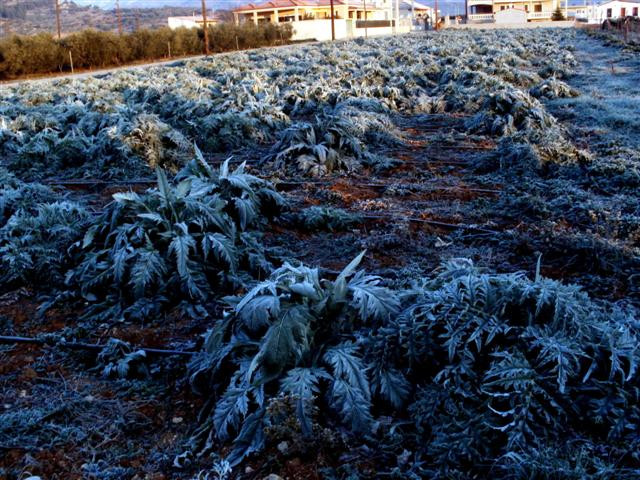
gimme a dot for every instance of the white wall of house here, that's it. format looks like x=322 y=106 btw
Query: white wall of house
x=321 y=29
x=496 y=26
x=510 y=16
x=187 y=22
x=616 y=9
x=318 y=29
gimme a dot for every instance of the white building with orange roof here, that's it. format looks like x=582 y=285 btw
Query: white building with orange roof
x=514 y=11
x=278 y=11
x=311 y=19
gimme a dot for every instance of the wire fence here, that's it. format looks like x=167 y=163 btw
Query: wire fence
x=628 y=28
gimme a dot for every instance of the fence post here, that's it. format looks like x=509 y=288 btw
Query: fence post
x=71 y=60
x=237 y=44
x=169 y=48
x=626 y=29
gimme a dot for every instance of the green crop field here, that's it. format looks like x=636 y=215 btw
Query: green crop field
x=405 y=257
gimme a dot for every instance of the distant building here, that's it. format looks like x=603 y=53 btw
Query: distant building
x=524 y=10
x=616 y=9
x=608 y=10
x=581 y=11
x=279 y=11
x=192 y=21
x=409 y=9
x=311 y=19
x=494 y=10
x=417 y=13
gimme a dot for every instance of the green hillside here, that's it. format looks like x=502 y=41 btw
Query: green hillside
x=33 y=16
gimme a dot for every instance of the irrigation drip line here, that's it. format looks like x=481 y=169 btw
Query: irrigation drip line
x=9 y=340
x=383 y=185
x=93 y=183
x=429 y=162
x=436 y=223
x=285 y=183
x=461 y=147
x=417 y=191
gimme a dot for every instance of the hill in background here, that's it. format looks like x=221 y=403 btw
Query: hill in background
x=28 y=17
x=108 y=4
x=34 y=16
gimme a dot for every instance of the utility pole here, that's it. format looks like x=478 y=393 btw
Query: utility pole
x=436 y=16
x=397 y=16
x=347 y=16
x=58 y=19
x=333 y=26
x=413 y=13
x=119 y=15
x=366 y=32
x=204 y=25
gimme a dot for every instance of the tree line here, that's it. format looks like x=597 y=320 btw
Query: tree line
x=43 y=53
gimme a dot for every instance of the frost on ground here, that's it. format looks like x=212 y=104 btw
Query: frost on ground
x=221 y=207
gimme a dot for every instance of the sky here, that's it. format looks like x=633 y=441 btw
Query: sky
x=159 y=3
x=449 y=6
x=217 y=4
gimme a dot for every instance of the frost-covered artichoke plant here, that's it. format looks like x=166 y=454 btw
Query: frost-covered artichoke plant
x=470 y=372
x=189 y=241
x=335 y=142
x=291 y=334
x=37 y=231
x=129 y=122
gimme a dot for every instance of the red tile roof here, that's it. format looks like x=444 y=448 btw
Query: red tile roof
x=273 y=4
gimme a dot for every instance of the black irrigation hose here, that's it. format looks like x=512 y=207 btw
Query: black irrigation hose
x=435 y=223
x=294 y=183
x=276 y=184
x=9 y=340
x=93 y=183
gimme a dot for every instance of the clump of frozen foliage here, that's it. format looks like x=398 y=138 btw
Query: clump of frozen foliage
x=473 y=370
x=38 y=228
x=319 y=109
x=183 y=241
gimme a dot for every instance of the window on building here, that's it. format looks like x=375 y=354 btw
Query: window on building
x=537 y=8
x=623 y=12
x=526 y=8
x=502 y=7
x=609 y=13
x=635 y=11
